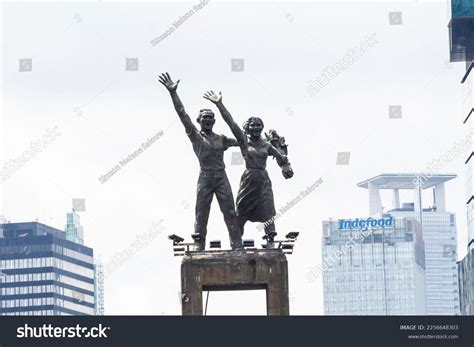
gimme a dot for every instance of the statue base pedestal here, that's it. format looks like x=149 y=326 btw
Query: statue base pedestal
x=231 y=270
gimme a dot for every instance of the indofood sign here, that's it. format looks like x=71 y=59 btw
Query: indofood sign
x=359 y=223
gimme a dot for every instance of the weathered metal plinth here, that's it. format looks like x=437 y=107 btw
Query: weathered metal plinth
x=227 y=270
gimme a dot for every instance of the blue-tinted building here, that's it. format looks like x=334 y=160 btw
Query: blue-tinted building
x=461 y=30
x=466 y=266
x=43 y=273
x=438 y=228
x=373 y=266
x=466 y=284
x=74 y=229
x=461 y=40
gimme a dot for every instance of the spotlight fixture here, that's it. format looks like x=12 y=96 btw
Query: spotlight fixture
x=270 y=236
x=292 y=235
x=249 y=243
x=215 y=244
x=179 y=246
x=287 y=245
x=176 y=239
x=287 y=248
x=196 y=237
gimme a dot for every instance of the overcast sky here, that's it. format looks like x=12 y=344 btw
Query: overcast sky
x=79 y=83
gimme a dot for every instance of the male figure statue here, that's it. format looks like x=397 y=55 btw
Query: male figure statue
x=209 y=148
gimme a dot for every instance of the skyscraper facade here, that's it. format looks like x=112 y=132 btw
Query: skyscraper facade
x=468 y=110
x=461 y=44
x=373 y=267
x=74 y=230
x=438 y=230
x=466 y=284
x=466 y=272
x=43 y=273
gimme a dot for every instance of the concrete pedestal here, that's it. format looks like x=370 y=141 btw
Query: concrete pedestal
x=228 y=270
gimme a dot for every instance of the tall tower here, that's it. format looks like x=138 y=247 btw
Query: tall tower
x=99 y=288
x=461 y=31
x=74 y=229
x=461 y=44
x=2 y=221
x=438 y=230
x=373 y=267
x=43 y=273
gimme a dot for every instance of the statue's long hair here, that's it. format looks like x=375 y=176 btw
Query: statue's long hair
x=250 y=120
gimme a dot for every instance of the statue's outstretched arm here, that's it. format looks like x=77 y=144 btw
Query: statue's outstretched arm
x=234 y=127
x=231 y=142
x=165 y=80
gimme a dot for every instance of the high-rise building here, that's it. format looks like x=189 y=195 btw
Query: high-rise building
x=99 y=289
x=438 y=229
x=74 y=230
x=461 y=42
x=466 y=284
x=2 y=221
x=373 y=267
x=468 y=110
x=43 y=273
x=466 y=268
x=461 y=30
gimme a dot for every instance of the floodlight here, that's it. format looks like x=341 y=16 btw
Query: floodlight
x=196 y=237
x=176 y=239
x=215 y=244
x=249 y=243
x=270 y=236
x=292 y=235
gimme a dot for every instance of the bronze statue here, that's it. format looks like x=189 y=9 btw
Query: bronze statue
x=209 y=149
x=255 y=198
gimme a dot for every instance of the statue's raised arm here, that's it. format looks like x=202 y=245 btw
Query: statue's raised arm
x=166 y=80
x=234 y=127
x=209 y=148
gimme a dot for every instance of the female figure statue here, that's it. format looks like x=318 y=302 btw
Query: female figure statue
x=255 y=198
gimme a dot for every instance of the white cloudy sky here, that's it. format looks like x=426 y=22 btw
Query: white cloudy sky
x=78 y=52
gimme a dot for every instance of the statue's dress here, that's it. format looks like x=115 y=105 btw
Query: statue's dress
x=255 y=198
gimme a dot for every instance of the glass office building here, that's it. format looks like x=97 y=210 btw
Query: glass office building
x=461 y=30
x=461 y=42
x=74 y=229
x=468 y=113
x=466 y=272
x=438 y=228
x=43 y=273
x=466 y=284
x=439 y=234
x=373 y=267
